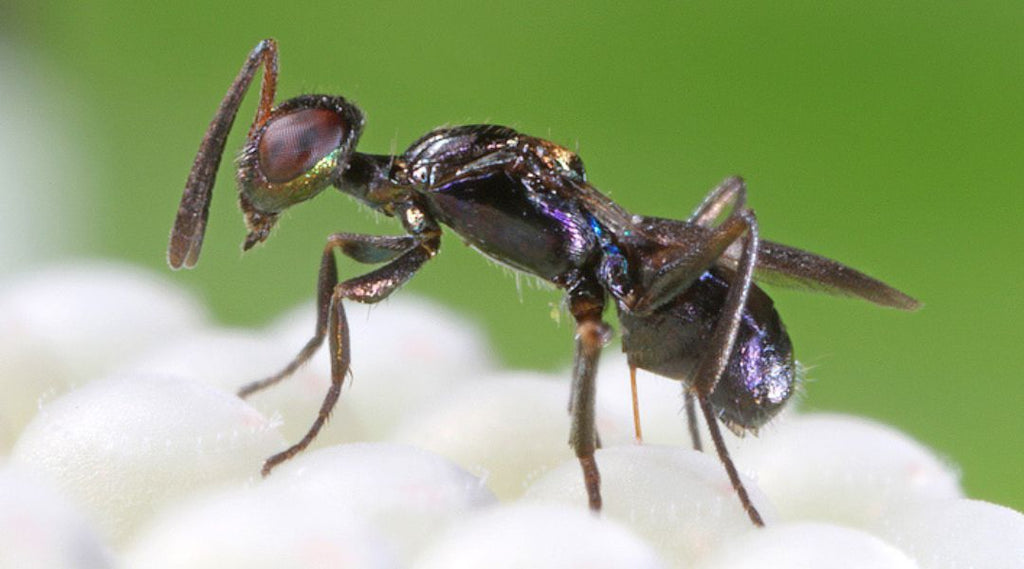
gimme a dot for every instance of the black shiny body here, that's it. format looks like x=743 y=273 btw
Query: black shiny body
x=683 y=290
x=517 y=200
x=492 y=186
x=760 y=375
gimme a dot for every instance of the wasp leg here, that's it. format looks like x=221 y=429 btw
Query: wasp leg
x=692 y=250
x=732 y=191
x=638 y=434
x=362 y=248
x=691 y=418
x=720 y=347
x=591 y=335
x=372 y=287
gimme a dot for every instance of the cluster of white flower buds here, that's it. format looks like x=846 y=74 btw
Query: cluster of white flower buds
x=122 y=444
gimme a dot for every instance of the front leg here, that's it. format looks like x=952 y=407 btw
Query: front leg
x=362 y=248
x=369 y=288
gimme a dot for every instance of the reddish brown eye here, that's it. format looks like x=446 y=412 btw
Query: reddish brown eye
x=294 y=143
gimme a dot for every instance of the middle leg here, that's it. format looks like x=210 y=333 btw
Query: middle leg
x=591 y=336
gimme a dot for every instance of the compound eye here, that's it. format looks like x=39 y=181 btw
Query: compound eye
x=294 y=143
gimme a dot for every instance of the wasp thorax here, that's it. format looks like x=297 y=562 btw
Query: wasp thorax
x=293 y=144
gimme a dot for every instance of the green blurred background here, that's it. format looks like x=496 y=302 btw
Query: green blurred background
x=886 y=135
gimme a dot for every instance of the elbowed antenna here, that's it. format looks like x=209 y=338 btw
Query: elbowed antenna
x=190 y=223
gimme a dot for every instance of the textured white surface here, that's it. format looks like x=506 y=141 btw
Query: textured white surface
x=146 y=448
x=124 y=448
x=65 y=325
x=845 y=470
x=508 y=428
x=949 y=534
x=256 y=530
x=679 y=500
x=538 y=537
x=807 y=546
x=228 y=359
x=407 y=493
x=39 y=529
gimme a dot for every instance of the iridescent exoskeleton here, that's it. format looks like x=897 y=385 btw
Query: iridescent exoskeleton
x=684 y=290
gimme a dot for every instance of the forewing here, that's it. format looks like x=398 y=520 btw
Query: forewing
x=785 y=266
